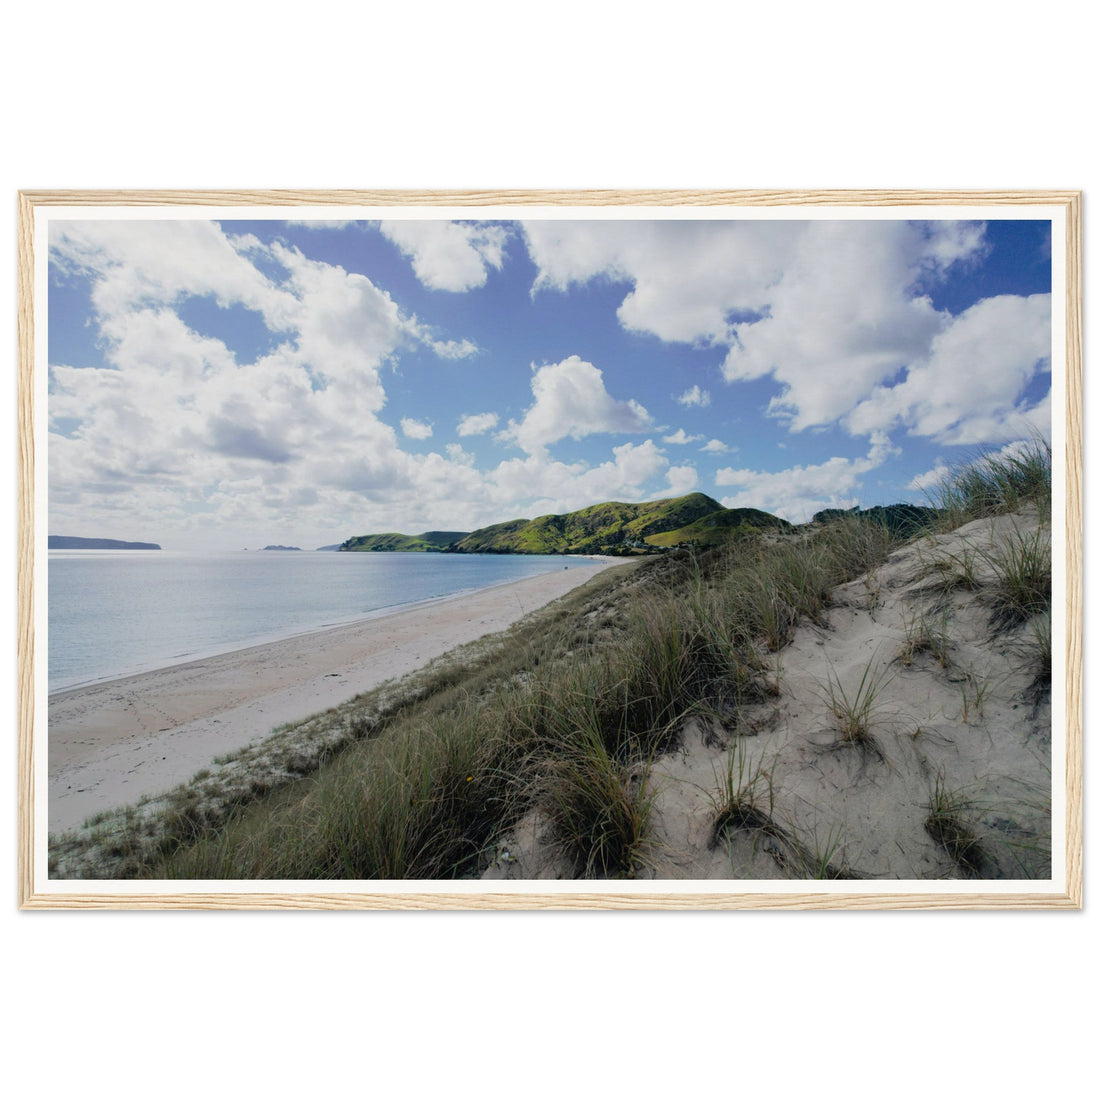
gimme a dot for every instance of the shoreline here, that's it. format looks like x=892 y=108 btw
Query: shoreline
x=114 y=741
x=273 y=637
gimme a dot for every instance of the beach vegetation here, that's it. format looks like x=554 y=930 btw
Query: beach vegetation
x=854 y=707
x=951 y=823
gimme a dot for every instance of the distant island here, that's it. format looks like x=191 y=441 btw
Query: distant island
x=71 y=542
x=612 y=528
x=298 y=548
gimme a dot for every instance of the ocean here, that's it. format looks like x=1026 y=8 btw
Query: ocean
x=116 y=612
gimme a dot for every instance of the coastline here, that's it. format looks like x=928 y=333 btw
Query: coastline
x=112 y=742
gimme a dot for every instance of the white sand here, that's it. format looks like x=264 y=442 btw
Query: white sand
x=115 y=742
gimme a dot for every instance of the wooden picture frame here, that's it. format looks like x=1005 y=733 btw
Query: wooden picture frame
x=37 y=892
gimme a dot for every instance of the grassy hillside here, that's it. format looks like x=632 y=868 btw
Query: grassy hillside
x=609 y=528
x=902 y=519
x=429 y=541
x=717 y=528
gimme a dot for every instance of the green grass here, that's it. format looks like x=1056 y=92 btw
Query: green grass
x=950 y=822
x=926 y=633
x=853 y=708
x=742 y=789
x=1022 y=566
x=997 y=484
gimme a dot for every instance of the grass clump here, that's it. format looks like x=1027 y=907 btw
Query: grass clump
x=949 y=823
x=1022 y=567
x=926 y=634
x=853 y=708
x=599 y=805
x=997 y=484
x=742 y=788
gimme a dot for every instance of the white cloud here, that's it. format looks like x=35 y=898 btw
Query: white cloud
x=716 y=447
x=478 y=423
x=548 y=486
x=445 y=255
x=832 y=311
x=686 y=275
x=682 y=480
x=694 y=396
x=415 y=429
x=930 y=479
x=138 y=263
x=795 y=494
x=680 y=437
x=571 y=400
x=322 y=223
x=179 y=439
x=968 y=388
x=453 y=349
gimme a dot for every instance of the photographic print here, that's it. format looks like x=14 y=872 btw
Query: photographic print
x=536 y=550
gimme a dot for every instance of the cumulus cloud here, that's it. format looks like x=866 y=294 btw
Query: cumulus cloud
x=682 y=480
x=177 y=428
x=694 y=396
x=834 y=312
x=446 y=255
x=716 y=447
x=686 y=276
x=967 y=389
x=453 y=349
x=571 y=400
x=478 y=423
x=680 y=437
x=562 y=487
x=415 y=429
x=928 y=480
x=796 y=493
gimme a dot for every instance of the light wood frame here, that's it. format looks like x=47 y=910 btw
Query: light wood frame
x=33 y=895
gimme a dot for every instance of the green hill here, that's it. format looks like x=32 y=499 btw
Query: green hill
x=609 y=528
x=903 y=520
x=719 y=526
x=429 y=541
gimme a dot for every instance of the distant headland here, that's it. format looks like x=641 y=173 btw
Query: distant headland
x=71 y=542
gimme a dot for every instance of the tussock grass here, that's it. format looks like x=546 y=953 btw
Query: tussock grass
x=1022 y=565
x=925 y=633
x=1040 y=656
x=997 y=484
x=950 y=822
x=742 y=789
x=854 y=707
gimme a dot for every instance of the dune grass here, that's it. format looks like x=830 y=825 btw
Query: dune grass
x=854 y=707
x=995 y=484
x=569 y=721
x=950 y=822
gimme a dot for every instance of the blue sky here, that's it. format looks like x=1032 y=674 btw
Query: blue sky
x=222 y=384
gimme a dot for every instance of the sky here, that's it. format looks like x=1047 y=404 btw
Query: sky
x=222 y=384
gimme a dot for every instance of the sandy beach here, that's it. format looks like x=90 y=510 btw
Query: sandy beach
x=114 y=742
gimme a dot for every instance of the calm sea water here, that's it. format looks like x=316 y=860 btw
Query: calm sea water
x=115 y=612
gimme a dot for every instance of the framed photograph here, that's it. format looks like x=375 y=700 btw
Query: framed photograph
x=550 y=550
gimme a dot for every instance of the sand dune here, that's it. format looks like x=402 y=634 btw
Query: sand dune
x=956 y=720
